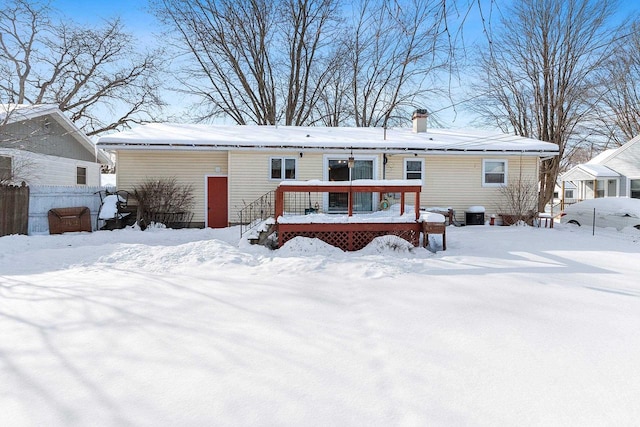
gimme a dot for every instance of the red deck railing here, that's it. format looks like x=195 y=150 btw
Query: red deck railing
x=349 y=235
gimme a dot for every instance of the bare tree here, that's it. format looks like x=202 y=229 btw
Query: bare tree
x=333 y=108
x=255 y=61
x=394 y=46
x=309 y=59
x=300 y=62
x=620 y=115
x=91 y=73
x=538 y=76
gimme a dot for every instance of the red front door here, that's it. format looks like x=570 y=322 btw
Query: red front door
x=217 y=206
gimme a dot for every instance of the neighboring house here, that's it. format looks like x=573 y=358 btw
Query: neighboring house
x=41 y=146
x=613 y=173
x=231 y=166
x=565 y=191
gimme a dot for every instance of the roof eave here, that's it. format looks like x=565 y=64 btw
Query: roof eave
x=114 y=146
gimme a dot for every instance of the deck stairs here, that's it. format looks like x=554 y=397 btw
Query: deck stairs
x=262 y=236
x=254 y=219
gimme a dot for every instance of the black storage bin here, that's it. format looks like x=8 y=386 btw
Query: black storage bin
x=474 y=218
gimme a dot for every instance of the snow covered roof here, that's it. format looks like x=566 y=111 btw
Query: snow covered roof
x=14 y=113
x=171 y=136
x=602 y=157
x=588 y=171
x=598 y=171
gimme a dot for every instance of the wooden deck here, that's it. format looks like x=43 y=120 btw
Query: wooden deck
x=349 y=234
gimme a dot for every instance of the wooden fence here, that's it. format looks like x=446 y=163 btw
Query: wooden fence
x=14 y=209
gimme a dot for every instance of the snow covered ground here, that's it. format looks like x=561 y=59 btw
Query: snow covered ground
x=509 y=326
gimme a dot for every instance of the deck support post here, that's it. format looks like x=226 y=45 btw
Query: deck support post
x=279 y=203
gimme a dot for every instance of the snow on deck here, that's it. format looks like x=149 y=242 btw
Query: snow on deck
x=354 y=183
x=392 y=215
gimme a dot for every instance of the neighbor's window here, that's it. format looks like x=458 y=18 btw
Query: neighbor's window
x=600 y=189
x=494 y=172
x=5 y=168
x=413 y=169
x=283 y=168
x=81 y=175
x=612 y=188
x=568 y=194
x=634 y=186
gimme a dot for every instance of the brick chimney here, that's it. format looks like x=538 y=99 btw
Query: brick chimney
x=420 y=121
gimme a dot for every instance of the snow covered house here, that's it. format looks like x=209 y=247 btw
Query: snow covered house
x=564 y=192
x=612 y=173
x=231 y=166
x=41 y=146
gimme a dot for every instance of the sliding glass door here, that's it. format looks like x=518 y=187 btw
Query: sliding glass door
x=338 y=170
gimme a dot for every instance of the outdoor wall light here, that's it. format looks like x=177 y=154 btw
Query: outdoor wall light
x=351 y=162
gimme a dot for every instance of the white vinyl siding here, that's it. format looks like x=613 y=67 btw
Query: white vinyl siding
x=41 y=169
x=250 y=171
x=448 y=181
x=188 y=167
x=456 y=181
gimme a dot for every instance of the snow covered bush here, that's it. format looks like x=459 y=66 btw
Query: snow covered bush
x=162 y=197
x=518 y=202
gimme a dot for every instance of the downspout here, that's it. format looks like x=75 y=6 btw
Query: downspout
x=385 y=159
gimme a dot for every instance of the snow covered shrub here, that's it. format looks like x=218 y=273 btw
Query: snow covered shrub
x=518 y=202
x=386 y=244
x=162 y=198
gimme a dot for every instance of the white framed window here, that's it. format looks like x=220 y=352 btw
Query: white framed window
x=413 y=169
x=568 y=193
x=283 y=168
x=81 y=175
x=634 y=188
x=494 y=173
x=606 y=188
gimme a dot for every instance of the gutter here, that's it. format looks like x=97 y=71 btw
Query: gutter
x=378 y=149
